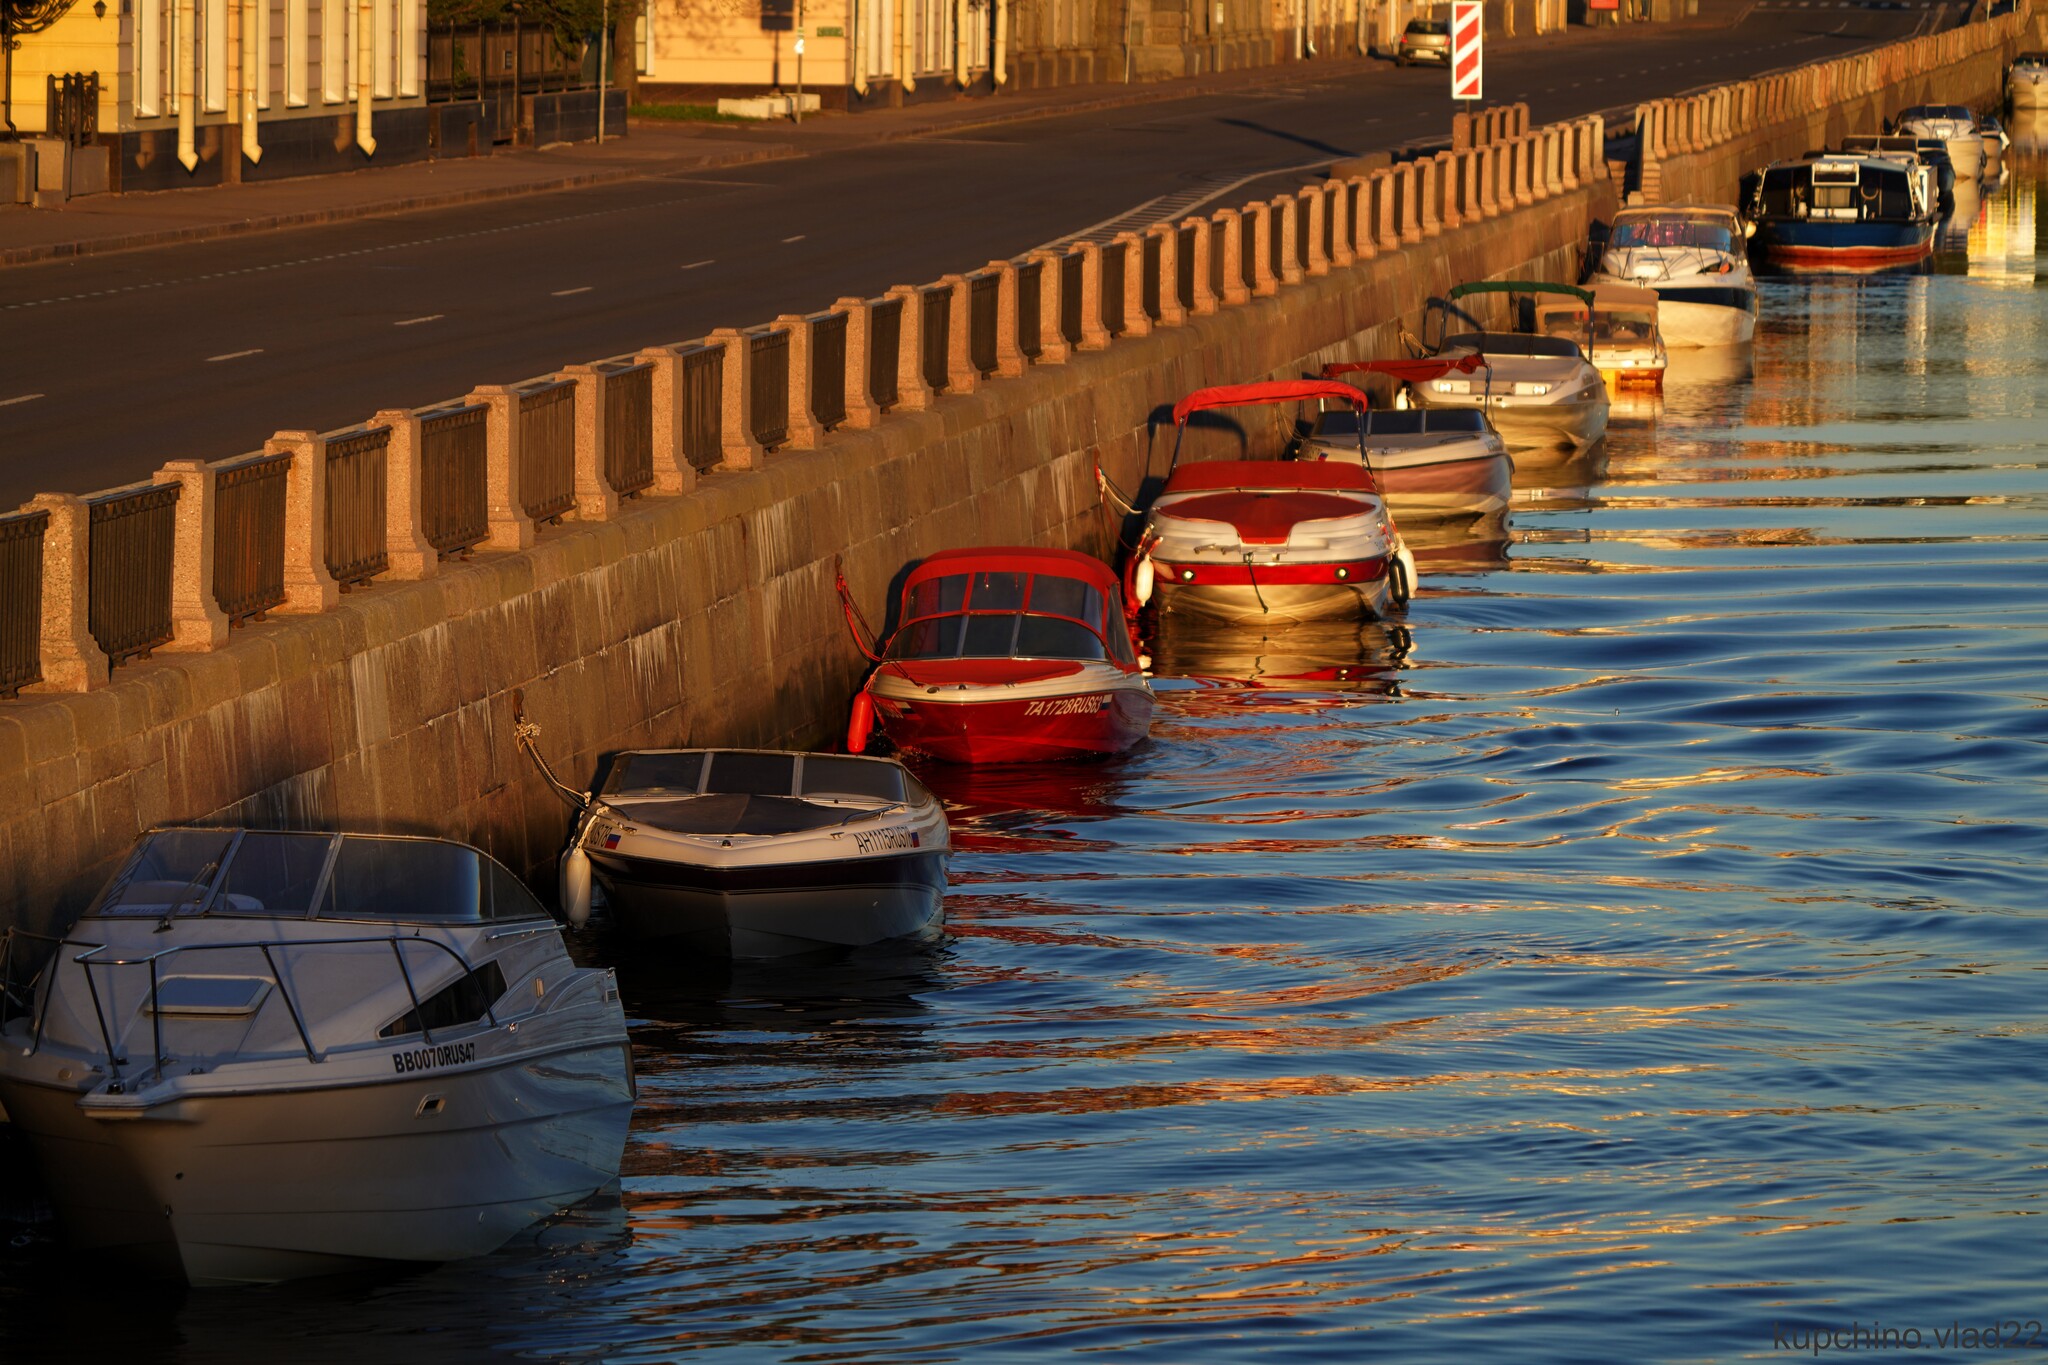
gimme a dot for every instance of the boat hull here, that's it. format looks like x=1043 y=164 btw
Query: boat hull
x=2027 y=93
x=272 y=1185
x=1568 y=426
x=1469 y=486
x=1269 y=602
x=1824 y=245
x=778 y=910
x=1706 y=317
x=1005 y=730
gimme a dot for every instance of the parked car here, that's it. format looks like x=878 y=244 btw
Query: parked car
x=1424 y=40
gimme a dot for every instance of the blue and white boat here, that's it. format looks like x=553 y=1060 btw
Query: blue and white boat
x=1843 y=211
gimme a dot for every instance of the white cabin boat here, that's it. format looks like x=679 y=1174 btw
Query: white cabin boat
x=1696 y=259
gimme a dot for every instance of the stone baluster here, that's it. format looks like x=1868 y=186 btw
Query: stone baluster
x=197 y=622
x=737 y=447
x=504 y=503
x=861 y=412
x=72 y=661
x=406 y=551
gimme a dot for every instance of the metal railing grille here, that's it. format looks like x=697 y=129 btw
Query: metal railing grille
x=768 y=404
x=1275 y=223
x=1184 y=267
x=703 y=401
x=1248 y=250
x=547 y=450
x=21 y=600
x=1030 y=314
x=129 y=549
x=1330 y=225
x=983 y=294
x=629 y=429
x=1113 y=258
x=356 y=550
x=454 y=484
x=1301 y=233
x=1148 y=283
x=828 y=368
x=885 y=343
x=1073 y=273
x=937 y=335
x=248 y=535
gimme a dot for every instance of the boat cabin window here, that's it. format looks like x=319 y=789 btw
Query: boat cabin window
x=1400 y=422
x=1671 y=233
x=464 y=1000
x=743 y=773
x=1009 y=615
x=825 y=776
x=1006 y=636
x=1512 y=343
x=655 y=774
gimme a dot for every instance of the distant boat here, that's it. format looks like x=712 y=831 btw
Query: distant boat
x=1006 y=655
x=1955 y=125
x=2026 y=83
x=1694 y=256
x=1298 y=540
x=263 y=1055
x=1626 y=345
x=1844 y=211
x=1442 y=462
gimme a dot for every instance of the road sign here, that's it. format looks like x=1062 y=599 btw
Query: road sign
x=1467 y=33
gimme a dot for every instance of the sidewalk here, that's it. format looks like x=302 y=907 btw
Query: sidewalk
x=105 y=223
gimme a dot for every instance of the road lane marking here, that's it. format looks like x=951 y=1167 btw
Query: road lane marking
x=699 y=265
x=414 y=322
x=233 y=355
x=25 y=398
x=787 y=240
x=580 y=289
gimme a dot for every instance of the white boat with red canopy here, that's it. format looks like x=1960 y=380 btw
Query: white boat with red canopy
x=1294 y=540
x=1007 y=654
x=1443 y=462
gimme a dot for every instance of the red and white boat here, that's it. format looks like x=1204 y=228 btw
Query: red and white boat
x=1271 y=540
x=1441 y=462
x=1006 y=655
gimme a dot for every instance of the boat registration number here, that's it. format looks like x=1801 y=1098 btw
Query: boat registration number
x=428 y=1058
x=879 y=840
x=1065 y=706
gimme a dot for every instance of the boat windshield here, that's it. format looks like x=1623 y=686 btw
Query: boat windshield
x=1401 y=422
x=749 y=772
x=1008 y=615
x=281 y=875
x=1669 y=233
x=1495 y=344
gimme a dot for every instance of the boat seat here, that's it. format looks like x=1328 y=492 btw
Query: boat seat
x=1264 y=518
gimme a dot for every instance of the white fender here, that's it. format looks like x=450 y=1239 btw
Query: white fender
x=1141 y=580
x=575 y=888
x=1407 y=561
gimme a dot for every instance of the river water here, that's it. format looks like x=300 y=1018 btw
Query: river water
x=1638 y=956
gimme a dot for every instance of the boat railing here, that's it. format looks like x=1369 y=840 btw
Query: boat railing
x=86 y=961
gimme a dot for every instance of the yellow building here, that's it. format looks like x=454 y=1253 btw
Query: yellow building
x=195 y=92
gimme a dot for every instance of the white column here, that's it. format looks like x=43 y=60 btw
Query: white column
x=215 y=33
x=382 y=48
x=412 y=30
x=334 y=50
x=149 y=58
x=297 y=53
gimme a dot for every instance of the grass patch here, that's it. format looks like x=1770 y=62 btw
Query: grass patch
x=686 y=113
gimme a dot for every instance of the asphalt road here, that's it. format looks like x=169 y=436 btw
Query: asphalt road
x=111 y=365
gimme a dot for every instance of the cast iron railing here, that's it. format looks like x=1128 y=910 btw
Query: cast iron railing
x=547 y=449
x=1030 y=294
x=629 y=428
x=1148 y=282
x=768 y=404
x=248 y=535
x=937 y=335
x=455 y=509
x=885 y=344
x=131 y=542
x=828 y=368
x=356 y=481
x=21 y=600
x=1113 y=257
x=983 y=292
x=1073 y=274
x=703 y=400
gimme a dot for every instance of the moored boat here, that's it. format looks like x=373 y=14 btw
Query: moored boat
x=263 y=1055
x=1272 y=540
x=1006 y=655
x=1430 y=463
x=1955 y=125
x=1844 y=211
x=760 y=852
x=1541 y=393
x=1694 y=257
x=1931 y=152
x=2026 y=82
x=1622 y=323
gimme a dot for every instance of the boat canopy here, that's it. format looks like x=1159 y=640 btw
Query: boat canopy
x=280 y=874
x=1401 y=422
x=1514 y=344
x=1408 y=371
x=1011 y=605
x=1252 y=395
x=1520 y=287
x=1917 y=112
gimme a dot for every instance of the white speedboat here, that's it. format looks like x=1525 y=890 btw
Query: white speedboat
x=1541 y=393
x=1625 y=343
x=761 y=852
x=2026 y=83
x=1995 y=143
x=1695 y=257
x=1449 y=462
x=1955 y=125
x=263 y=1055
x=1271 y=540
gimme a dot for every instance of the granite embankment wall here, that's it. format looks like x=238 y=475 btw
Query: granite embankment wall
x=709 y=615
x=1698 y=147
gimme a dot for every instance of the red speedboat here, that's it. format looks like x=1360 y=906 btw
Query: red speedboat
x=1007 y=655
x=1274 y=540
x=1440 y=462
